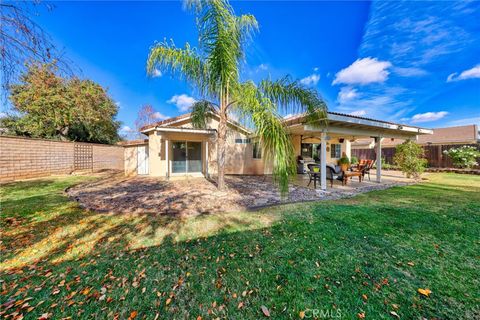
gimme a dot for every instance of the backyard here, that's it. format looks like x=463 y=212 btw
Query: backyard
x=404 y=252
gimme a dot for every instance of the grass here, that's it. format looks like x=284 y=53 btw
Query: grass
x=364 y=256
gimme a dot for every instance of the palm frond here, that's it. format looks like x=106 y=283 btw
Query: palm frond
x=185 y=62
x=293 y=97
x=201 y=111
x=222 y=37
x=270 y=131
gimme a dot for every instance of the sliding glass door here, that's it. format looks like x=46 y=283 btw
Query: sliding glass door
x=187 y=157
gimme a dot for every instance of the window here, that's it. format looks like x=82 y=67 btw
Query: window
x=239 y=140
x=257 y=151
x=336 y=151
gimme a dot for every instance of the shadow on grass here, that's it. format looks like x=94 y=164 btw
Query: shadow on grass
x=323 y=255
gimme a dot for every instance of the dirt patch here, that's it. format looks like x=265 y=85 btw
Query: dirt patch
x=183 y=197
x=194 y=196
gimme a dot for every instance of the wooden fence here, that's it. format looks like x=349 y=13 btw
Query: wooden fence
x=433 y=154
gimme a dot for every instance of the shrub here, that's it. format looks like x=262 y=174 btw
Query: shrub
x=343 y=160
x=463 y=157
x=409 y=158
x=354 y=160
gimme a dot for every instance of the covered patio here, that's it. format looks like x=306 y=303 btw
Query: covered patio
x=342 y=129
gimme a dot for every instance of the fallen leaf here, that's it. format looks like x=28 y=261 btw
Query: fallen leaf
x=393 y=313
x=133 y=314
x=44 y=316
x=199 y=318
x=301 y=314
x=424 y=292
x=240 y=305
x=365 y=297
x=410 y=263
x=395 y=306
x=361 y=315
x=168 y=301
x=265 y=311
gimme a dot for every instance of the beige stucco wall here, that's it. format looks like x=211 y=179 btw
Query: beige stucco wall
x=238 y=158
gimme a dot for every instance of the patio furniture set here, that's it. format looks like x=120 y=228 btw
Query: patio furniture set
x=342 y=174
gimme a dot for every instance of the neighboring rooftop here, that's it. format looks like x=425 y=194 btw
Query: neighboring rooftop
x=468 y=134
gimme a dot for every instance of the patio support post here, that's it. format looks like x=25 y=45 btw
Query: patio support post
x=166 y=159
x=323 y=161
x=379 y=158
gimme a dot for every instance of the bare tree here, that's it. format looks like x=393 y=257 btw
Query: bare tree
x=22 y=41
x=146 y=116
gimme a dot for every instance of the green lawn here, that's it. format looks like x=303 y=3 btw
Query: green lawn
x=365 y=256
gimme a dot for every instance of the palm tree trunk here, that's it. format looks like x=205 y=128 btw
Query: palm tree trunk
x=221 y=145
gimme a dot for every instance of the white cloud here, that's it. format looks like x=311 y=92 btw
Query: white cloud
x=156 y=73
x=118 y=104
x=262 y=67
x=160 y=116
x=428 y=116
x=288 y=116
x=467 y=74
x=3 y=115
x=182 y=101
x=358 y=113
x=310 y=80
x=126 y=129
x=409 y=72
x=347 y=94
x=315 y=69
x=364 y=71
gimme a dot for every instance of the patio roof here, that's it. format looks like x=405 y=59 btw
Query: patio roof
x=348 y=125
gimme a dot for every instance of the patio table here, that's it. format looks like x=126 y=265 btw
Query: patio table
x=316 y=175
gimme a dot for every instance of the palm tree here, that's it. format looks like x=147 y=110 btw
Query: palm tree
x=214 y=71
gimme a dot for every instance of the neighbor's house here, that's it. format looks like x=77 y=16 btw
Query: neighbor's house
x=175 y=148
x=468 y=134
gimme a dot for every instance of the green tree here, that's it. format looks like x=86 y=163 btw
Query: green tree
x=49 y=106
x=214 y=71
x=409 y=157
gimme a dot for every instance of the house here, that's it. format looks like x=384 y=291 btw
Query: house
x=468 y=134
x=175 y=148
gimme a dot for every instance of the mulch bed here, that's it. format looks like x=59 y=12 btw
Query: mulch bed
x=183 y=197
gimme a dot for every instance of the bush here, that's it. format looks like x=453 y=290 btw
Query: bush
x=409 y=158
x=343 y=160
x=354 y=160
x=463 y=157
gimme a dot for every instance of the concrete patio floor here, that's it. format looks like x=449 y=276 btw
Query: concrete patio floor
x=389 y=178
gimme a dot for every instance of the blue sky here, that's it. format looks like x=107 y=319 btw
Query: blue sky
x=409 y=62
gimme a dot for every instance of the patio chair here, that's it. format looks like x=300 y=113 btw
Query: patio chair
x=366 y=169
x=335 y=173
x=314 y=176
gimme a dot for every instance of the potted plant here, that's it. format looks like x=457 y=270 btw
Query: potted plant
x=344 y=163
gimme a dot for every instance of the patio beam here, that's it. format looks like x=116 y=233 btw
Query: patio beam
x=379 y=158
x=323 y=161
x=360 y=132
